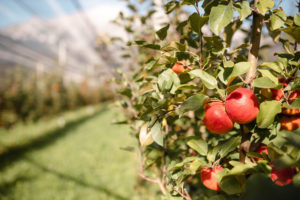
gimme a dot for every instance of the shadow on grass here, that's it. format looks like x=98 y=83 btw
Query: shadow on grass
x=6 y=188
x=75 y=180
x=14 y=153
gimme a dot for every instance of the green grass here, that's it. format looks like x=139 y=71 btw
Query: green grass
x=80 y=160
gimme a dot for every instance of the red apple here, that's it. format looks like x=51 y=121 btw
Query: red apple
x=260 y=149
x=283 y=81
x=216 y=119
x=178 y=68
x=294 y=96
x=242 y=106
x=209 y=177
x=282 y=177
x=292 y=111
x=277 y=94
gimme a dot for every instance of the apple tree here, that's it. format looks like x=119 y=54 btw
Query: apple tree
x=214 y=119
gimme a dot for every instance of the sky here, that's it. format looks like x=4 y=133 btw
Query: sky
x=17 y=11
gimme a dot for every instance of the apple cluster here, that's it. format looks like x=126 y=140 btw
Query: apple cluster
x=241 y=106
x=280 y=177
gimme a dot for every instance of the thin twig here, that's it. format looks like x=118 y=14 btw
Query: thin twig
x=197 y=7
x=152 y=180
x=159 y=182
x=184 y=193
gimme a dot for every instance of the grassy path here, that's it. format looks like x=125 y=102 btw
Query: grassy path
x=81 y=160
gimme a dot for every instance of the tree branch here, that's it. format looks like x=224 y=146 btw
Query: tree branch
x=245 y=144
x=255 y=42
x=197 y=7
x=160 y=183
x=253 y=58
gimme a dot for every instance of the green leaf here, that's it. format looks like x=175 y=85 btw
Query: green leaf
x=208 y=80
x=174 y=46
x=267 y=112
x=277 y=18
x=297 y=19
x=239 y=69
x=243 y=9
x=230 y=185
x=188 y=87
x=126 y=92
x=132 y=7
x=240 y=47
x=212 y=153
x=275 y=34
x=264 y=82
x=296 y=84
x=276 y=66
x=209 y=4
x=254 y=155
x=296 y=180
x=149 y=65
x=168 y=81
x=197 y=22
x=195 y=165
x=228 y=64
x=241 y=168
x=214 y=43
x=139 y=42
x=198 y=145
x=192 y=103
x=264 y=6
x=291 y=137
x=170 y=6
x=157 y=134
x=152 y=46
x=162 y=33
x=218 y=197
x=294 y=105
x=229 y=146
x=293 y=31
x=188 y=2
x=230 y=30
x=220 y=16
x=267 y=73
